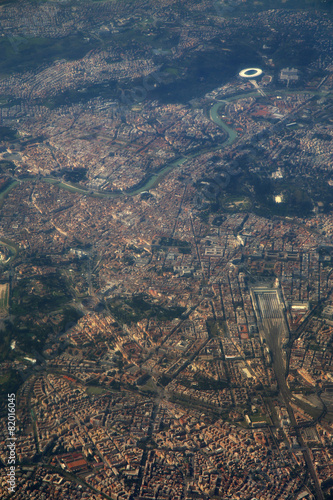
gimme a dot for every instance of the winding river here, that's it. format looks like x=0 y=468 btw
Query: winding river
x=155 y=178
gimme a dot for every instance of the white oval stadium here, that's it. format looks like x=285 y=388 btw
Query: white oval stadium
x=250 y=72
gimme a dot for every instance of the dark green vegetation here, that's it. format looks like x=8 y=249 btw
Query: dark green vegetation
x=216 y=328
x=5 y=341
x=183 y=247
x=202 y=383
x=5 y=2
x=107 y=90
x=294 y=54
x=260 y=5
x=6 y=167
x=296 y=200
x=173 y=242
x=23 y=54
x=138 y=307
x=190 y=76
x=39 y=306
x=150 y=33
x=323 y=137
x=7 y=186
x=184 y=79
x=43 y=293
x=257 y=192
x=75 y=175
x=205 y=70
x=9 y=383
x=7 y=134
x=4 y=297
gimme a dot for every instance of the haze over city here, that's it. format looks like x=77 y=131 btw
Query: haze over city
x=166 y=222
